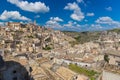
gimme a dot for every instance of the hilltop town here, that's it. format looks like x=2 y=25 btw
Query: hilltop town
x=45 y=54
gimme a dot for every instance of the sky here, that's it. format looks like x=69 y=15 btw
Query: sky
x=67 y=15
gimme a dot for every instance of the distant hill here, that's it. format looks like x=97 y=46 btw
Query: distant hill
x=117 y=30
x=83 y=37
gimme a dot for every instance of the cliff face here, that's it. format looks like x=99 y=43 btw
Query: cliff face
x=12 y=70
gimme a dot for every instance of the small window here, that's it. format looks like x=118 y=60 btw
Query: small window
x=76 y=64
x=76 y=77
x=15 y=78
x=14 y=71
x=51 y=58
x=85 y=65
x=118 y=63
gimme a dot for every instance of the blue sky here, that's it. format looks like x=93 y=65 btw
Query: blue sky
x=72 y=15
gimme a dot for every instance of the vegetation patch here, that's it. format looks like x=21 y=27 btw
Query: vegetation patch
x=106 y=58
x=117 y=30
x=73 y=43
x=47 y=48
x=29 y=36
x=83 y=37
x=90 y=73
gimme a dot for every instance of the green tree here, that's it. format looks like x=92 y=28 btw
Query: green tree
x=106 y=58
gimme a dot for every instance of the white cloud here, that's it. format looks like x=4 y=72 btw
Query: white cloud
x=102 y=23
x=12 y=15
x=95 y=27
x=109 y=8
x=73 y=26
x=56 y=19
x=90 y=14
x=54 y=23
x=106 y=20
x=37 y=16
x=77 y=14
x=80 y=1
x=30 y=6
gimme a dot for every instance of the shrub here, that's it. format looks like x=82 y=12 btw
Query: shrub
x=80 y=70
x=47 y=48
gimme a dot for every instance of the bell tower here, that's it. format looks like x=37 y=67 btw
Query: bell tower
x=34 y=22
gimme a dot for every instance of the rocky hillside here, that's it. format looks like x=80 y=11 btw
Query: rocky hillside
x=83 y=37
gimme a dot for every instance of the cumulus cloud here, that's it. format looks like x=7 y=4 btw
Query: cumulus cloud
x=102 y=23
x=90 y=14
x=77 y=14
x=30 y=6
x=94 y=27
x=79 y=1
x=37 y=16
x=74 y=26
x=106 y=20
x=109 y=8
x=12 y=15
x=53 y=22
x=57 y=19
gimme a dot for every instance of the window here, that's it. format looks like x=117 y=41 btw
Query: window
x=76 y=64
x=51 y=58
x=14 y=71
x=85 y=65
x=76 y=77
x=118 y=63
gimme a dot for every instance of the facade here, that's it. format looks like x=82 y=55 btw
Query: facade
x=14 y=25
x=114 y=57
x=82 y=64
x=114 y=60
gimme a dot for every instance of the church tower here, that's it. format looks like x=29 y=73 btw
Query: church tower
x=34 y=22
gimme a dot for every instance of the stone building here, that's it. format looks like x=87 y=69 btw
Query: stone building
x=114 y=57
x=14 y=25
